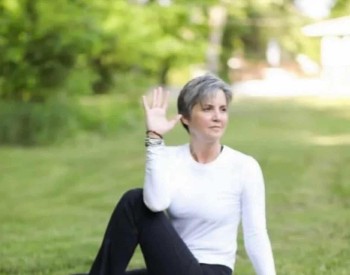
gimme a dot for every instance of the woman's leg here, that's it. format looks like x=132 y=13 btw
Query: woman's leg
x=137 y=272
x=133 y=223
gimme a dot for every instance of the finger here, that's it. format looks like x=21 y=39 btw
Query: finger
x=154 y=98
x=145 y=103
x=159 y=97
x=165 y=99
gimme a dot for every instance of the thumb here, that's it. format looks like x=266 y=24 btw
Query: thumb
x=176 y=119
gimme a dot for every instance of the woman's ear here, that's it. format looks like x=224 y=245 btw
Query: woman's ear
x=184 y=120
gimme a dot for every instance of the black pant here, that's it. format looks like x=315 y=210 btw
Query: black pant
x=165 y=253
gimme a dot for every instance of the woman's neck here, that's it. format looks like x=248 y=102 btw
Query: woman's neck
x=206 y=152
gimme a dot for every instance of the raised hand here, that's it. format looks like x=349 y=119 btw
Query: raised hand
x=155 y=112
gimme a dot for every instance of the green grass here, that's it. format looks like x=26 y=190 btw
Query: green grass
x=56 y=201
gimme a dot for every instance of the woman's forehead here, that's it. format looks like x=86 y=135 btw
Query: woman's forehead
x=212 y=96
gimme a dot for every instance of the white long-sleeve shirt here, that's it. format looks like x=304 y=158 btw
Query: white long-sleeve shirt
x=206 y=202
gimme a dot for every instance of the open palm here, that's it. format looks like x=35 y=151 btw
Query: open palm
x=156 y=117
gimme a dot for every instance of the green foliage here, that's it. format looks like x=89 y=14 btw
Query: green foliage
x=42 y=41
x=340 y=8
x=82 y=47
x=108 y=114
x=150 y=39
x=39 y=49
x=30 y=123
x=40 y=44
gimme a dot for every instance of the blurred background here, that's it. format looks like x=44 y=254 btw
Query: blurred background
x=71 y=125
x=61 y=61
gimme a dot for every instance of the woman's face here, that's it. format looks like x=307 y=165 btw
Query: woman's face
x=208 y=119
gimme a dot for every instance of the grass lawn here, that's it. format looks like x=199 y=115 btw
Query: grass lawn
x=56 y=201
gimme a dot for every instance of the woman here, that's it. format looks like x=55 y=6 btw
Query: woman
x=186 y=217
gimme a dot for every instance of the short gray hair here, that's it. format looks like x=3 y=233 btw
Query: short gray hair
x=199 y=89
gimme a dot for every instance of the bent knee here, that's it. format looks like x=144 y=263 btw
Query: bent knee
x=132 y=195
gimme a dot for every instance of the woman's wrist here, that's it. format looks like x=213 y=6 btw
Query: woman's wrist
x=153 y=134
x=153 y=138
x=153 y=142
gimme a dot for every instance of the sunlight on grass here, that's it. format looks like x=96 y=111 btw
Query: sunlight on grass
x=324 y=102
x=331 y=140
x=340 y=106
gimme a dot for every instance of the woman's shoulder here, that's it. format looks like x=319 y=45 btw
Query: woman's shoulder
x=245 y=163
x=239 y=156
x=175 y=150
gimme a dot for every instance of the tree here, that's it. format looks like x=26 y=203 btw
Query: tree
x=40 y=44
x=251 y=24
x=39 y=47
x=151 y=39
x=340 y=8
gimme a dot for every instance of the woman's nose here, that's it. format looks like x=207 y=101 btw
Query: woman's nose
x=216 y=115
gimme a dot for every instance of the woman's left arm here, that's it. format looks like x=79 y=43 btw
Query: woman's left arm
x=256 y=239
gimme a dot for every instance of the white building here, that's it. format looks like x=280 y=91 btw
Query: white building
x=335 y=51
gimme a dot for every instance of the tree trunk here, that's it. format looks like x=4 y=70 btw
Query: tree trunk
x=217 y=21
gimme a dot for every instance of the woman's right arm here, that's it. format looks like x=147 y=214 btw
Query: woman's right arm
x=156 y=192
x=156 y=189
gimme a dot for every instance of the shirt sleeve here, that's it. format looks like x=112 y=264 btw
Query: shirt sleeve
x=156 y=191
x=256 y=239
